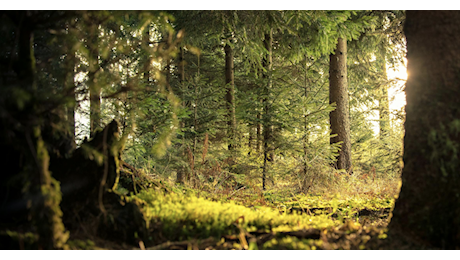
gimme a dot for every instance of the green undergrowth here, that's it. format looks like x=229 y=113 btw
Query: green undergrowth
x=178 y=217
x=184 y=214
x=292 y=242
x=317 y=203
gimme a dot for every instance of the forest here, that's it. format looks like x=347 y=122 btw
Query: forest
x=229 y=129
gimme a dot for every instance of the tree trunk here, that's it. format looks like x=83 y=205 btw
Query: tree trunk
x=94 y=87
x=259 y=132
x=182 y=65
x=250 y=138
x=384 y=107
x=266 y=117
x=46 y=212
x=70 y=106
x=95 y=104
x=338 y=94
x=305 y=125
x=230 y=97
x=195 y=108
x=146 y=66
x=428 y=208
x=181 y=171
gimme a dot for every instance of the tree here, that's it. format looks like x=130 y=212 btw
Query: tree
x=230 y=96
x=207 y=97
x=379 y=46
x=37 y=67
x=267 y=117
x=32 y=153
x=351 y=28
x=428 y=206
x=384 y=105
x=93 y=86
x=338 y=94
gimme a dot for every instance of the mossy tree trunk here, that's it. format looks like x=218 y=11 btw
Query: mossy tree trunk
x=46 y=212
x=428 y=208
x=338 y=94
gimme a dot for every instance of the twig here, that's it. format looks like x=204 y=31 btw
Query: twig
x=298 y=202
x=220 y=183
x=167 y=165
x=242 y=188
x=130 y=167
x=311 y=183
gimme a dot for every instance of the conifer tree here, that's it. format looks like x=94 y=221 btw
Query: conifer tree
x=267 y=124
x=338 y=94
x=230 y=96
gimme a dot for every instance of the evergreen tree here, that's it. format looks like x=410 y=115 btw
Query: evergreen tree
x=338 y=94
x=378 y=47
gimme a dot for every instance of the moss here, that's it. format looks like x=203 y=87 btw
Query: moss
x=291 y=242
x=49 y=218
x=181 y=217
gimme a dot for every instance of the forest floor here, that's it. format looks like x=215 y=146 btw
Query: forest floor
x=247 y=218
x=336 y=213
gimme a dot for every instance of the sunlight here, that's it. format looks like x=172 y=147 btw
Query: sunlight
x=396 y=95
x=396 y=92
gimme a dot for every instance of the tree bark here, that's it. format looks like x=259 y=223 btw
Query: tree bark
x=147 y=66
x=95 y=104
x=94 y=87
x=259 y=132
x=46 y=211
x=70 y=106
x=305 y=125
x=230 y=96
x=181 y=171
x=428 y=208
x=266 y=117
x=338 y=94
x=384 y=107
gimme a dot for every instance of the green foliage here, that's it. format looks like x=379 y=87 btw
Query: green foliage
x=292 y=243
x=298 y=99
x=351 y=204
x=185 y=216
